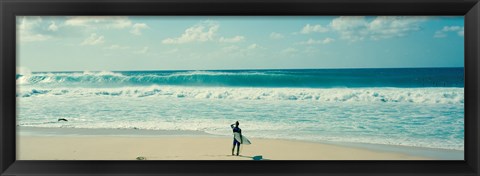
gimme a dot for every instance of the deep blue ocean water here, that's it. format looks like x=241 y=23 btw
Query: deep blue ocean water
x=406 y=106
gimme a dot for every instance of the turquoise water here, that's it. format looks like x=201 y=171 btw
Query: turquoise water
x=314 y=78
x=406 y=107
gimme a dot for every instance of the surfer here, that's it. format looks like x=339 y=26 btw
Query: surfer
x=236 y=129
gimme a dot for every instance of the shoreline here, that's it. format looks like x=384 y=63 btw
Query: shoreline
x=49 y=139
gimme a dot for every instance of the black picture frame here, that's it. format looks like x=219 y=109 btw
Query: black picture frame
x=470 y=9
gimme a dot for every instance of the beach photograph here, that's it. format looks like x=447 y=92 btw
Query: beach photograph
x=240 y=88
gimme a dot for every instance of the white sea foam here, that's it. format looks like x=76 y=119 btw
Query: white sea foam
x=407 y=95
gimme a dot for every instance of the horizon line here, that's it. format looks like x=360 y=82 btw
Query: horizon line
x=243 y=69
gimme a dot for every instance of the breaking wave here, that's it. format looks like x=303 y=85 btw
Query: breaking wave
x=254 y=78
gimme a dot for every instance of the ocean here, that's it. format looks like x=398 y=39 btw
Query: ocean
x=420 y=107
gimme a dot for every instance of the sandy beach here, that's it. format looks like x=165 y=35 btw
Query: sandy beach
x=186 y=148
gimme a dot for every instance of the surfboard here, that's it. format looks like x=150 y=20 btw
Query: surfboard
x=241 y=138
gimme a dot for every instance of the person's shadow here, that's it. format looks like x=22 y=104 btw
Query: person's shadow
x=256 y=158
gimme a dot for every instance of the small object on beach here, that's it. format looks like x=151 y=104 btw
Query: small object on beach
x=135 y=128
x=141 y=158
x=62 y=119
x=258 y=157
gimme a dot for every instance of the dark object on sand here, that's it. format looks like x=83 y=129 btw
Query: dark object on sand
x=62 y=119
x=141 y=158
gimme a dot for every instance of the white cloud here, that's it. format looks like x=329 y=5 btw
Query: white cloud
x=310 y=50
x=348 y=22
x=243 y=50
x=231 y=48
x=26 y=30
x=313 y=28
x=358 y=28
x=205 y=31
x=137 y=28
x=232 y=40
x=116 y=47
x=172 y=51
x=327 y=40
x=394 y=26
x=53 y=26
x=447 y=29
x=144 y=50
x=350 y=28
x=94 y=22
x=452 y=28
x=31 y=28
x=439 y=34
x=275 y=35
x=77 y=21
x=93 y=39
x=26 y=37
x=289 y=51
x=253 y=46
x=314 y=42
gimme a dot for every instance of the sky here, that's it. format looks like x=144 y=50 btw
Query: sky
x=116 y=43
